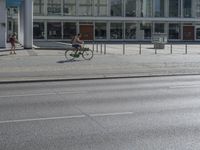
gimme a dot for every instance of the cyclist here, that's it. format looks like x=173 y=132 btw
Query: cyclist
x=76 y=42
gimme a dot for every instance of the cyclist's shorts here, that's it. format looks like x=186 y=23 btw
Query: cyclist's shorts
x=76 y=46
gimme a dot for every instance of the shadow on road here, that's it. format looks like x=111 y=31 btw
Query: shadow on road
x=67 y=61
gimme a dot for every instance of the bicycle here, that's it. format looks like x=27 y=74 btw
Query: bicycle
x=86 y=53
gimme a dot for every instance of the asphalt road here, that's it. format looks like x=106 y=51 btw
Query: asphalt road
x=160 y=113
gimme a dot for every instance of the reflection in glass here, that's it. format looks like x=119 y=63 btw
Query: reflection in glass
x=38 y=7
x=187 y=7
x=174 y=8
x=159 y=8
x=131 y=8
x=116 y=30
x=146 y=8
x=100 y=30
x=38 y=30
x=54 y=30
x=130 y=31
x=100 y=8
x=174 y=31
x=69 y=7
x=54 y=7
x=116 y=8
x=147 y=28
x=159 y=28
x=85 y=8
x=69 y=29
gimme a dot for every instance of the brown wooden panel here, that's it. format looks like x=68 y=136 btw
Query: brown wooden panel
x=86 y=32
x=188 y=33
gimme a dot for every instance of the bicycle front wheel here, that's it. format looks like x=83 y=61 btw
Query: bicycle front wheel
x=70 y=54
x=87 y=55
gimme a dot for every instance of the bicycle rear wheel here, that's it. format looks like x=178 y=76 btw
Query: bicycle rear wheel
x=70 y=54
x=87 y=54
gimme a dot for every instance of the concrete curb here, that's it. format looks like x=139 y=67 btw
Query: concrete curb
x=95 y=78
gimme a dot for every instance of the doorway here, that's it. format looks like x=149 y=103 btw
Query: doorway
x=188 y=33
x=87 y=32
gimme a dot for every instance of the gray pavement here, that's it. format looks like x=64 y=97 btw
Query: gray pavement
x=33 y=65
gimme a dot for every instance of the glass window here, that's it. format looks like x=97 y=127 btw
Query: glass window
x=69 y=29
x=159 y=8
x=100 y=8
x=198 y=33
x=116 y=30
x=130 y=31
x=187 y=7
x=146 y=8
x=54 y=7
x=198 y=8
x=54 y=30
x=174 y=8
x=38 y=30
x=85 y=8
x=131 y=8
x=174 y=31
x=147 y=28
x=100 y=30
x=69 y=7
x=159 y=28
x=116 y=8
x=38 y=8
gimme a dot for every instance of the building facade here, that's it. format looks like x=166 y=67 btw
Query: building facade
x=113 y=20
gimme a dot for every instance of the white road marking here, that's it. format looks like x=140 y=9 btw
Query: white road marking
x=66 y=117
x=41 y=119
x=111 y=114
x=185 y=86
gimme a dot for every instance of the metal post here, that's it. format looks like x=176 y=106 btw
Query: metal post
x=140 y=52
x=101 y=48
x=155 y=50
x=171 y=48
x=104 y=48
x=93 y=45
x=186 y=49
x=97 y=47
x=124 y=48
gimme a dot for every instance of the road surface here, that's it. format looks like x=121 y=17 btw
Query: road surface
x=160 y=113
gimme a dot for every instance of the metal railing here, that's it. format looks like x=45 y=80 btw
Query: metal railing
x=143 y=48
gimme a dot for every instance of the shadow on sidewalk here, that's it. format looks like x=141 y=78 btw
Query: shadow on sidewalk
x=67 y=61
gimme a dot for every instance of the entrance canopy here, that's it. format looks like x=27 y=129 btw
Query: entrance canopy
x=25 y=21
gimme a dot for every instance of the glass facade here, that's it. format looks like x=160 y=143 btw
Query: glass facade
x=159 y=28
x=130 y=31
x=174 y=8
x=38 y=7
x=174 y=31
x=147 y=29
x=69 y=30
x=146 y=8
x=159 y=6
x=100 y=30
x=38 y=30
x=100 y=7
x=116 y=31
x=198 y=8
x=116 y=8
x=198 y=32
x=69 y=7
x=131 y=8
x=54 y=30
x=85 y=8
x=54 y=7
x=187 y=8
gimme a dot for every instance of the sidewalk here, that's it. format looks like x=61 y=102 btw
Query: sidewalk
x=45 y=65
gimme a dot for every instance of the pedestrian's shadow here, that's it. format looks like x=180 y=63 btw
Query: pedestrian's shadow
x=4 y=55
x=67 y=61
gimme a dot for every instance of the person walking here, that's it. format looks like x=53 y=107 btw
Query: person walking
x=12 y=42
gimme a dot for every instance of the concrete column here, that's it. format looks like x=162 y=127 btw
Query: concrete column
x=21 y=24
x=3 y=23
x=28 y=24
